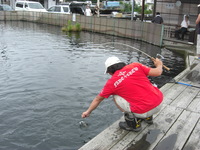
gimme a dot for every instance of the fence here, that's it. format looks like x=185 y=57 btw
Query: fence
x=148 y=32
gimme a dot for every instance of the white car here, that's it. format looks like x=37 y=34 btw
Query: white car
x=60 y=9
x=29 y=6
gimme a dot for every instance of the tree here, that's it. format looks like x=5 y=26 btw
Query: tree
x=125 y=7
x=138 y=9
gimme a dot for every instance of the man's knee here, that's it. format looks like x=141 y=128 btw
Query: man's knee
x=121 y=103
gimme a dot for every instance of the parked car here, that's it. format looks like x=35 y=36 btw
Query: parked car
x=29 y=6
x=5 y=7
x=78 y=7
x=60 y=9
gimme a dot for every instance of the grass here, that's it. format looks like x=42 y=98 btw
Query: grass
x=71 y=27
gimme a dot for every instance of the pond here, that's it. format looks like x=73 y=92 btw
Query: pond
x=48 y=78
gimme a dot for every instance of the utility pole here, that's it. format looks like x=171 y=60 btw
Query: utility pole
x=132 y=14
x=98 y=8
x=154 y=8
x=143 y=6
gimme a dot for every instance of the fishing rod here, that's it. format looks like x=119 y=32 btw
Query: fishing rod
x=152 y=58
x=174 y=81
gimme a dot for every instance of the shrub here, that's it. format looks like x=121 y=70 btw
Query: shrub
x=71 y=28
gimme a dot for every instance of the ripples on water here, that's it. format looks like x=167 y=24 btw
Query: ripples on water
x=49 y=78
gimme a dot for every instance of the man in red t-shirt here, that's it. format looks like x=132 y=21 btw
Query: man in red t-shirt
x=133 y=92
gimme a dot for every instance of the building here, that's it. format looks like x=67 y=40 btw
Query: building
x=173 y=11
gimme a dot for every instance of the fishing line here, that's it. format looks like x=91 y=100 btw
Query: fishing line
x=90 y=45
x=152 y=58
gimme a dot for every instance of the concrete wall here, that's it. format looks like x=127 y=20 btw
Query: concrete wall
x=148 y=32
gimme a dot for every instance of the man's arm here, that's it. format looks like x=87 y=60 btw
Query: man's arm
x=158 y=70
x=96 y=101
x=161 y=21
x=198 y=19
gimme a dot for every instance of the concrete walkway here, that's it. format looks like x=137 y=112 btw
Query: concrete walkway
x=176 y=127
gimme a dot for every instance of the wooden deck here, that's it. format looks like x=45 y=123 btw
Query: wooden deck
x=176 y=126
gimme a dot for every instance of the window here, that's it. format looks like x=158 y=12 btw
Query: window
x=66 y=9
x=19 y=5
x=51 y=9
x=35 y=6
x=57 y=9
x=7 y=8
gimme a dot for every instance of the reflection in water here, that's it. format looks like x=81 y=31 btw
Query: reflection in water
x=48 y=78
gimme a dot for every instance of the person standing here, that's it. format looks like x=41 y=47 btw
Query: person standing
x=184 y=26
x=158 y=19
x=88 y=11
x=133 y=92
x=198 y=34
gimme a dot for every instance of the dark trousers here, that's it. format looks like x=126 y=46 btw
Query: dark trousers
x=182 y=31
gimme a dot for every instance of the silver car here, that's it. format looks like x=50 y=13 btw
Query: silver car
x=60 y=9
x=5 y=7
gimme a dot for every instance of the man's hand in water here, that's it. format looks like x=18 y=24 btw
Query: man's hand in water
x=85 y=114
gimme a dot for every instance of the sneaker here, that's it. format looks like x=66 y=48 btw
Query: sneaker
x=124 y=126
x=149 y=120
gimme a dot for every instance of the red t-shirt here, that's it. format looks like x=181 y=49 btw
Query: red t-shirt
x=132 y=84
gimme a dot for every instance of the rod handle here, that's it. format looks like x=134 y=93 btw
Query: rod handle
x=167 y=68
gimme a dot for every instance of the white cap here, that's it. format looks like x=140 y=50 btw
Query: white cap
x=198 y=5
x=111 y=61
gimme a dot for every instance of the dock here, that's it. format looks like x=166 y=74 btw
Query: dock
x=178 y=45
x=176 y=126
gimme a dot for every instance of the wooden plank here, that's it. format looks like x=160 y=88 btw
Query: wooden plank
x=181 y=77
x=162 y=122
x=193 y=142
x=195 y=104
x=128 y=138
x=173 y=93
x=167 y=86
x=106 y=138
x=181 y=129
x=186 y=97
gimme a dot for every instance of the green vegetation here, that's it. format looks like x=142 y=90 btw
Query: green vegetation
x=127 y=8
x=138 y=9
x=71 y=28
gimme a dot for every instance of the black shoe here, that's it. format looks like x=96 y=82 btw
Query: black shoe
x=124 y=125
x=149 y=120
x=132 y=123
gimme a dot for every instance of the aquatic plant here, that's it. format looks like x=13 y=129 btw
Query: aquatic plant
x=78 y=27
x=71 y=27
